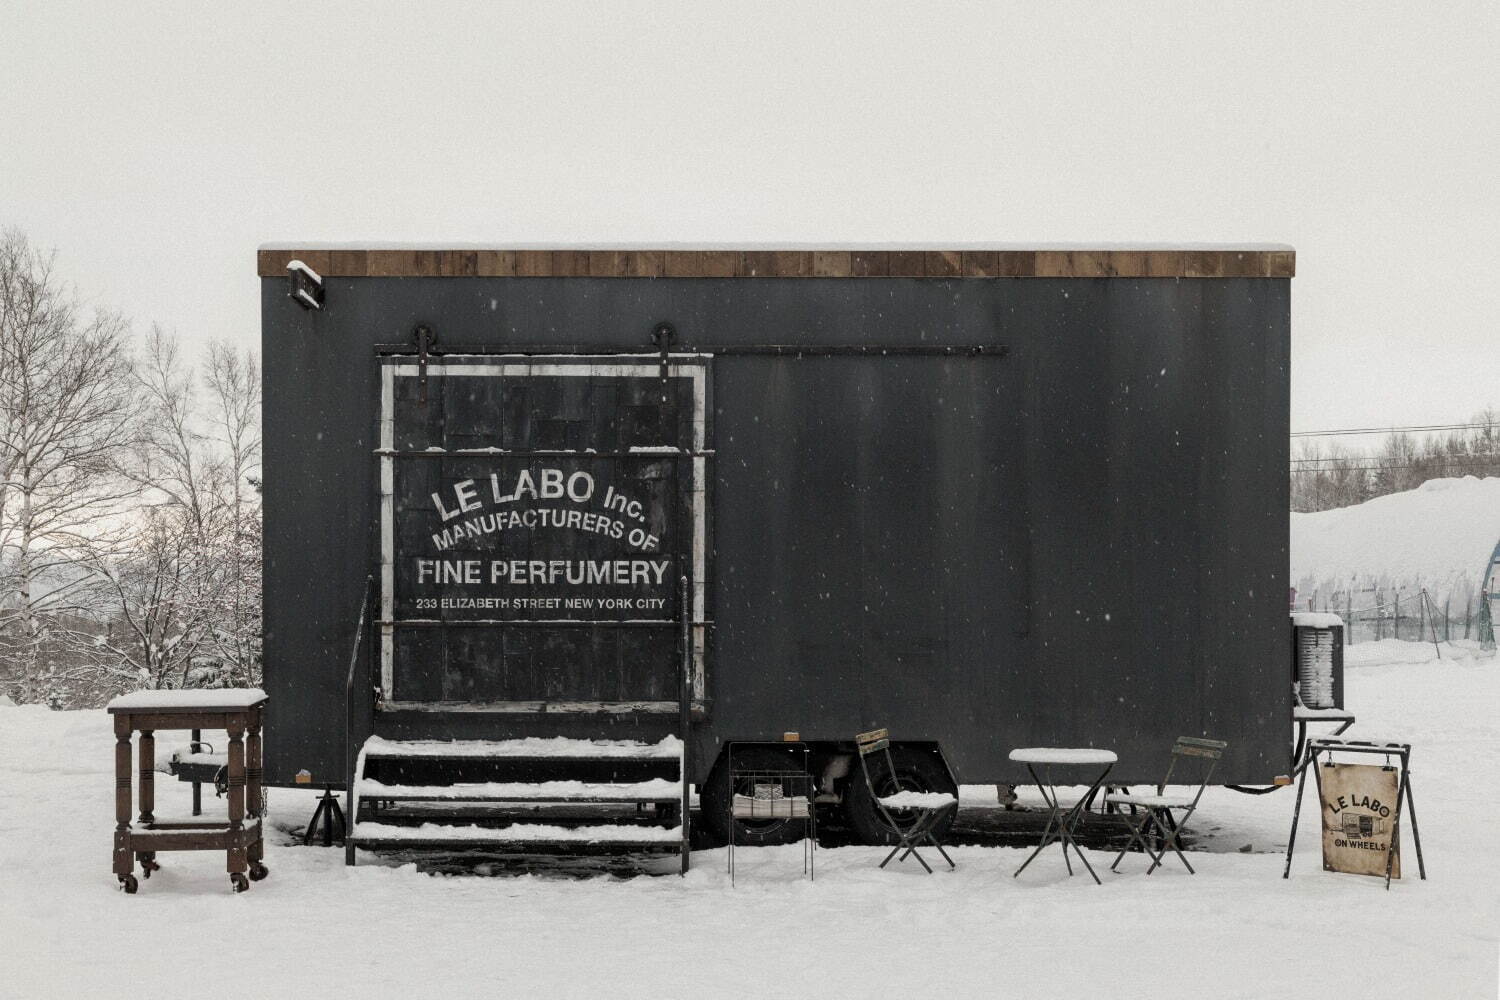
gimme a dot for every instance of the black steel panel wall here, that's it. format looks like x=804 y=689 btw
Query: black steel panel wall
x=1083 y=542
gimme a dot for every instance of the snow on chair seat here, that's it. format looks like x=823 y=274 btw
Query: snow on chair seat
x=925 y=810
x=917 y=800
x=1158 y=820
x=1149 y=801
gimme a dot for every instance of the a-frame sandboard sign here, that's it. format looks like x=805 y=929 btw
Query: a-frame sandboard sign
x=1360 y=806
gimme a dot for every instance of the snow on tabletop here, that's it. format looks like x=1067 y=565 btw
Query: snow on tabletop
x=531 y=746
x=917 y=800
x=1062 y=755
x=1316 y=619
x=191 y=699
x=520 y=832
x=1302 y=713
x=655 y=789
x=1358 y=739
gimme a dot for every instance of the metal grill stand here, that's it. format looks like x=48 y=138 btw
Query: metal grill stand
x=768 y=794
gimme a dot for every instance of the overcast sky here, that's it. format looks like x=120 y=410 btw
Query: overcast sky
x=155 y=146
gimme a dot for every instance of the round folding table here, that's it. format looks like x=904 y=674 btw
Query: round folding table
x=1060 y=822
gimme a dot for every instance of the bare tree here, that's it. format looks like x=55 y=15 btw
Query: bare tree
x=233 y=382
x=1397 y=465
x=166 y=580
x=182 y=588
x=1328 y=476
x=155 y=611
x=1325 y=477
x=67 y=409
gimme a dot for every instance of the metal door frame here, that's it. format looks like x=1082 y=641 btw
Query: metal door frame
x=694 y=366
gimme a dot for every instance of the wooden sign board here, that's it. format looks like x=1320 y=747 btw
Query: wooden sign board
x=1359 y=812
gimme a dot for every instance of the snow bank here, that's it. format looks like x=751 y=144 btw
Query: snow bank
x=1391 y=651
x=1437 y=536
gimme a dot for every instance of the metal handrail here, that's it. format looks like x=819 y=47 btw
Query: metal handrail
x=685 y=712
x=349 y=738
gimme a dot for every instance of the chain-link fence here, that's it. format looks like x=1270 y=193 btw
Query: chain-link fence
x=1374 y=613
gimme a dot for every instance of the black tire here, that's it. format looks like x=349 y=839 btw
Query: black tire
x=713 y=801
x=129 y=884
x=239 y=881
x=258 y=871
x=916 y=771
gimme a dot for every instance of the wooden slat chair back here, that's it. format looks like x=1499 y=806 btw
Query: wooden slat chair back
x=877 y=744
x=876 y=741
x=1205 y=753
x=1197 y=755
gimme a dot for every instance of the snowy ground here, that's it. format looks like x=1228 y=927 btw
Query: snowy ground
x=315 y=928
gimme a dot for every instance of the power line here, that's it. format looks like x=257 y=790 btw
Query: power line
x=1429 y=466
x=1376 y=462
x=1413 y=429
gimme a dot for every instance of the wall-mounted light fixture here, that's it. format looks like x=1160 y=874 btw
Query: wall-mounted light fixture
x=307 y=285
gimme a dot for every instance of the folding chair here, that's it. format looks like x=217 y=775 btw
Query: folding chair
x=1156 y=811
x=925 y=809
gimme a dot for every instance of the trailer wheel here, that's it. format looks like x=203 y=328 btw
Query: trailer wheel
x=916 y=771
x=713 y=803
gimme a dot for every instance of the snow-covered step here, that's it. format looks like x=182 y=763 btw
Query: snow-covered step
x=430 y=763
x=368 y=834
x=653 y=790
x=572 y=795
x=668 y=748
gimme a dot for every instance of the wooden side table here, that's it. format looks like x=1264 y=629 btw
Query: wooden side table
x=235 y=710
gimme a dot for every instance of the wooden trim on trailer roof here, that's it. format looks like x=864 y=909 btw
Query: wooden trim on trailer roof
x=1249 y=261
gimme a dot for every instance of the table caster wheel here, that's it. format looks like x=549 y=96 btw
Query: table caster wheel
x=129 y=884
x=239 y=881
x=149 y=865
x=258 y=871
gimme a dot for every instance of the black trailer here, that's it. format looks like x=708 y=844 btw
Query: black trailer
x=986 y=498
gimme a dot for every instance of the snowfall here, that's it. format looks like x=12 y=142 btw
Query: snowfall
x=317 y=928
